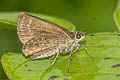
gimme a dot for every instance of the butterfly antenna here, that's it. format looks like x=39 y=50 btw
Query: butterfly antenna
x=92 y=21
x=89 y=22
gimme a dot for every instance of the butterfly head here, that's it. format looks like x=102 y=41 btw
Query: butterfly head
x=80 y=35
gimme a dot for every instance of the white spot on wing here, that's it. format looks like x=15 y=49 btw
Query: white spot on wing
x=29 y=25
x=21 y=23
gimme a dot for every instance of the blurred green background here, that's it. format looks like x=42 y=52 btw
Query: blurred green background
x=79 y=12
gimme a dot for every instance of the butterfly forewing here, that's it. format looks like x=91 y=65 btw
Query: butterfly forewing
x=30 y=27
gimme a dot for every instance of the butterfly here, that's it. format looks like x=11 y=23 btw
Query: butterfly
x=42 y=39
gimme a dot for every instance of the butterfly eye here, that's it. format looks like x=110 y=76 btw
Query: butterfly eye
x=78 y=36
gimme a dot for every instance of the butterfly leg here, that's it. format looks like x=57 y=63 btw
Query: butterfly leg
x=50 y=58
x=86 y=50
x=74 y=51
x=54 y=61
x=70 y=56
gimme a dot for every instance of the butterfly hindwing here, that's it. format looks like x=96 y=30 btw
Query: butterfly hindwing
x=46 y=52
x=41 y=43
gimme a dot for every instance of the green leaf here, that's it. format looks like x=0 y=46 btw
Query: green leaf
x=105 y=47
x=10 y=18
x=117 y=15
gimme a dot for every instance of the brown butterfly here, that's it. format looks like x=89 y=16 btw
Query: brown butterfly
x=43 y=39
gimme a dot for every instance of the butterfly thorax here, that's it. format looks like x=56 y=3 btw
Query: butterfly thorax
x=73 y=43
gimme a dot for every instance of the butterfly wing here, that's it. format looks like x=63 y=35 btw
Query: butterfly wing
x=46 y=52
x=29 y=26
x=42 y=43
